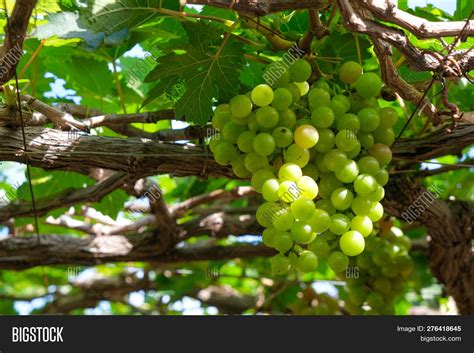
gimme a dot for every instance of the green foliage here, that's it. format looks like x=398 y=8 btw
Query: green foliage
x=195 y=64
x=208 y=71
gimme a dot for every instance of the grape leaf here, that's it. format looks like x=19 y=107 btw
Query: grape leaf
x=208 y=71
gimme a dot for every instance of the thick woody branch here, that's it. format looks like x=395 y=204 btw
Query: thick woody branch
x=53 y=149
x=15 y=32
x=22 y=252
x=420 y=27
x=418 y=59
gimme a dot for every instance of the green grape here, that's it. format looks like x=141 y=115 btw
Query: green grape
x=222 y=107
x=270 y=189
x=307 y=261
x=352 y=243
x=276 y=74
x=260 y=177
x=213 y=142
x=348 y=121
x=300 y=70
x=320 y=221
x=245 y=141
x=354 y=152
x=384 y=135
x=327 y=184
x=362 y=224
x=378 y=194
x=322 y=117
x=295 y=91
x=280 y=264
x=357 y=295
x=342 y=198
x=364 y=262
x=405 y=265
x=338 y=106
x=366 y=139
x=262 y=95
x=388 y=117
x=382 y=153
x=326 y=141
x=231 y=132
x=220 y=118
x=361 y=205
x=283 y=241
x=254 y=162
x=382 y=285
x=225 y=153
x=311 y=171
x=283 y=136
x=365 y=184
x=283 y=219
x=335 y=159
x=252 y=123
x=346 y=140
x=238 y=168
x=375 y=300
x=303 y=86
x=290 y=171
x=264 y=144
x=302 y=209
x=319 y=247
x=265 y=214
x=368 y=85
x=306 y=136
x=369 y=119
x=323 y=84
x=382 y=177
x=287 y=119
x=297 y=155
x=240 y=121
x=240 y=106
x=325 y=205
x=350 y=72
x=357 y=103
x=318 y=97
x=339 y=224
x=288 y=191
x=269 y=236
x=368 y=165
x=380 y=257
x=320 y=162
x=338 y=261
x=348 y=172
x=307 y=187
x=283 y=99
x=376 y=213
x=267 y=117
x=301 y=232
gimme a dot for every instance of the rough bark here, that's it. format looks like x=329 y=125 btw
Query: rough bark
x=52 y=149
x=450 y=228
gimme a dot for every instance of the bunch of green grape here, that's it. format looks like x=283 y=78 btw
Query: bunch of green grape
x=318 y=156
x=382 y=273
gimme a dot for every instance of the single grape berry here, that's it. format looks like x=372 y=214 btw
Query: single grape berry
x=368 y=85
x=350 y=72
x=300 y=70
x=262 y=95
